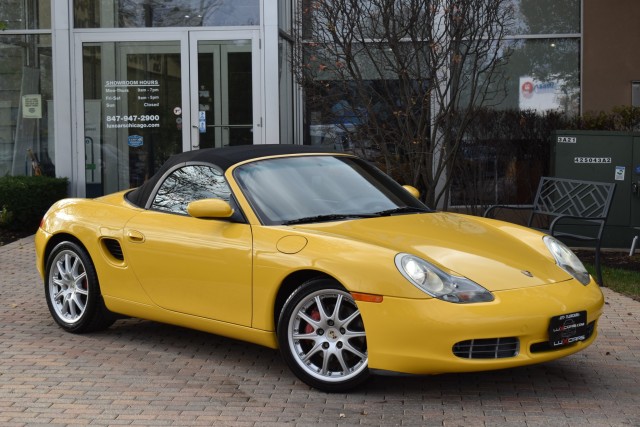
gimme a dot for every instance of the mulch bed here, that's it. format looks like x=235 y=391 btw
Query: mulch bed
x=612 y=259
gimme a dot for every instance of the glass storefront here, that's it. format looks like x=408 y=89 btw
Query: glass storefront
x=542 y=74
x=25 y=15
x=165 y=13
x=287 y=91
x=26 y=99
x=546 y=17
x=26 y=88
x=150 y=78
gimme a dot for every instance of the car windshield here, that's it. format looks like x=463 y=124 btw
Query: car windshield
x=294 y=190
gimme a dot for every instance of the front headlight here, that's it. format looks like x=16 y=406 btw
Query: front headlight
x=435 y=282
x=567 y=260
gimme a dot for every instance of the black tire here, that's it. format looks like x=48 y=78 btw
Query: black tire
x=72 y=290
x=321 y=337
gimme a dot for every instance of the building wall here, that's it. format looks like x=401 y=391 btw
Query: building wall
x=611 y=40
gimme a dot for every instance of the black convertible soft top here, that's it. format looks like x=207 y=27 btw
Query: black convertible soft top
x=223 y=158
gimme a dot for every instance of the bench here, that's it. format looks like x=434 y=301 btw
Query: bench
x=569 y=210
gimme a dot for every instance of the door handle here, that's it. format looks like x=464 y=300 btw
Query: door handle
x=135 y=236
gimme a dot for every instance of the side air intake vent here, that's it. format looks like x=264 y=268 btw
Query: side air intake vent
x=492 y=348
x=114 y=248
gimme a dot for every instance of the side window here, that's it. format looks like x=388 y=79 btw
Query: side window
x=187 y=184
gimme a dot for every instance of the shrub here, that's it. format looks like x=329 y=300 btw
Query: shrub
x=503 y=155
x=25 y=199
x=621 y=119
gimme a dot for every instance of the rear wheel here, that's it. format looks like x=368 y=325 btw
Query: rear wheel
x=322 y=337
x=72 y=290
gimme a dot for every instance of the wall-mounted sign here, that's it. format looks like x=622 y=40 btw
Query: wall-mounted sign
x=620 y=172
x=543 y=95
x=32 y=106
x=136 y=95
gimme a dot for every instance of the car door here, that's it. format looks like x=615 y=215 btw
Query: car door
x=195 y=266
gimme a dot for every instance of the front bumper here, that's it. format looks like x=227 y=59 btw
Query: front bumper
x=418 y=336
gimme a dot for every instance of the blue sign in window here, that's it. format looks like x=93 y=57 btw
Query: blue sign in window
x=135 y=141
x=202 y=121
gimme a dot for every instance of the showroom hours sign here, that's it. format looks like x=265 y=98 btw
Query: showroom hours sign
x=138 y=96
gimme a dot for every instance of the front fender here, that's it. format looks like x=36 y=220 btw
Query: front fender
x=358 y=266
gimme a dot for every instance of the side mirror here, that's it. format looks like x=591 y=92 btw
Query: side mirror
x=412 y=190
x=209 y=208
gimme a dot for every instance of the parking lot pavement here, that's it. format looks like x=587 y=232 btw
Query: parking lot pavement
x=145 y=373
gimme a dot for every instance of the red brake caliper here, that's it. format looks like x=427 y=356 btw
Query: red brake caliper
x=315 y=315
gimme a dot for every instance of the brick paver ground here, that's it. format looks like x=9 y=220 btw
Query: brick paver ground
x=145 y=373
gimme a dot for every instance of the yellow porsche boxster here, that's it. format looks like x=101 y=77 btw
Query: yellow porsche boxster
x=320 y=255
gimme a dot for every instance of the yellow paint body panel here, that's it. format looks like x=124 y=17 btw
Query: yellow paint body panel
x=193 y=266
x=224 y=278
x=417 y=336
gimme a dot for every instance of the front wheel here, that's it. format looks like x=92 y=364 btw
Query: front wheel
x=72 y=290
x=322 y=338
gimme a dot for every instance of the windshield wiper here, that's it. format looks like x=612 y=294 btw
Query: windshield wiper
x=402 y=210
x=328 y=217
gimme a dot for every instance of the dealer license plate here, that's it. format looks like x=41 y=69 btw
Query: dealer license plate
x=568 y=329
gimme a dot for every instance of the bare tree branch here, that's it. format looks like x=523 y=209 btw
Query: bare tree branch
x=410 y=74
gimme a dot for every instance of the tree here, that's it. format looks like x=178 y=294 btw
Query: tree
x=403 y=76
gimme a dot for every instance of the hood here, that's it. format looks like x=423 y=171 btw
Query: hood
x=494 y=254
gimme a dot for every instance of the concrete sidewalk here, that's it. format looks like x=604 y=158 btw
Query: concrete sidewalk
x=145 y=373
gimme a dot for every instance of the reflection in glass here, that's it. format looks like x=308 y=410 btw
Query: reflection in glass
x=285 y=55
x=543 y=75
x=165 y=13
x=26 y=101
x=290 y=189
x=540 y=75
x=285 y=15
x=188 y=184
x=25 y=14
x=546 y=17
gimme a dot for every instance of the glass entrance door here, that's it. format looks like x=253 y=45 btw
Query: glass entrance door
x=129 y=90
x=141 y=105
x=225 y=83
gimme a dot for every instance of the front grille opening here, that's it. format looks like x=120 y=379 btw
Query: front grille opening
x=114 y=248
x=545 y=346
x=487 y=348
